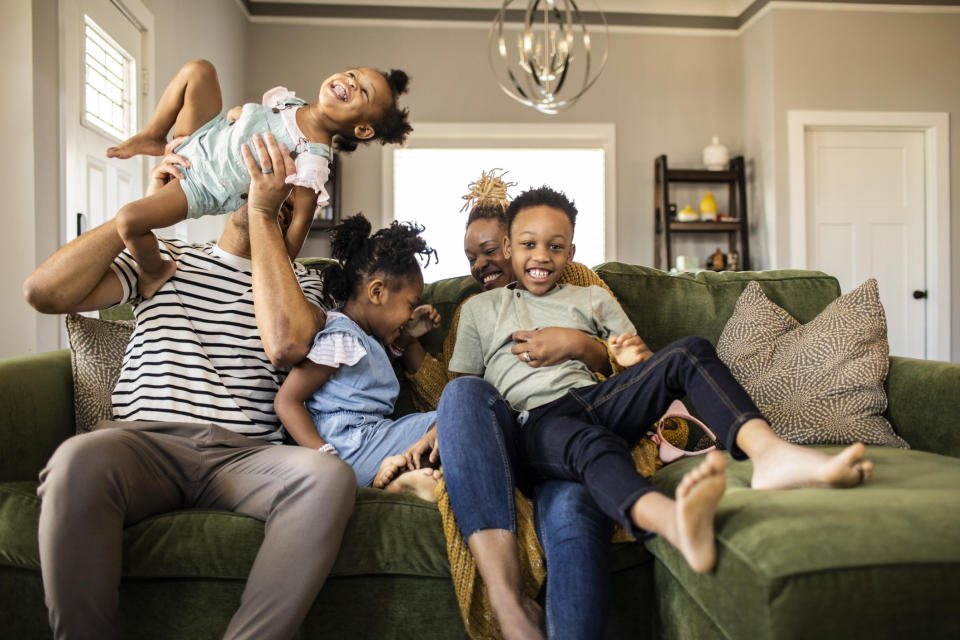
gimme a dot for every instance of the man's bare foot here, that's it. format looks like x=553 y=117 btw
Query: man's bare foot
x=523 y=622
x=697 y=496
x=419 y=482
x=139 y=144
x=151 y=283
x=791 y=466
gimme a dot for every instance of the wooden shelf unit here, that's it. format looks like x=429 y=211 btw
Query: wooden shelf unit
x=737 y=230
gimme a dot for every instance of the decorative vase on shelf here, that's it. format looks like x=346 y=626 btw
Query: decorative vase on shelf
x=716 y=156
x=687 y=214
x=708 y=208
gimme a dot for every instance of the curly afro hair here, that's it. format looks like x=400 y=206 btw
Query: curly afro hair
x=393 y=127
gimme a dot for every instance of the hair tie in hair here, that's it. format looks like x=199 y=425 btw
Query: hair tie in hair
x=489 y=191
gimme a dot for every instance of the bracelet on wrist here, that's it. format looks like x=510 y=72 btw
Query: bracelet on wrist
x=329 y=448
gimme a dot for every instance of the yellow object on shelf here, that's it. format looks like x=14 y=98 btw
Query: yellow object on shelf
x=708 y=207
x=687 y=215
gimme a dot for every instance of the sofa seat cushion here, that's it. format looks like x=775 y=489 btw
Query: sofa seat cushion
x=845 y=563
x=387 y=534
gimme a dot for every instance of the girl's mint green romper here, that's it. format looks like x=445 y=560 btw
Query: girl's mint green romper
x=217 y=180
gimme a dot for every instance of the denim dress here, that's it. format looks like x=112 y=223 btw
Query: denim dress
x=350 y=409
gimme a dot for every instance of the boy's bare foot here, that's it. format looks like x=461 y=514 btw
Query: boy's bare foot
x=790 y=466
x=139 y=144
x=419 y=482
x=697 y=496
x=151 y=283
x=389 y=469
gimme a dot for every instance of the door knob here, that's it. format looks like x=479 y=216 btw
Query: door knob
x=919 y=294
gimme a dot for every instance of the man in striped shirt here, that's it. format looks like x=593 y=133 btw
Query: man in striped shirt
x=194 y=422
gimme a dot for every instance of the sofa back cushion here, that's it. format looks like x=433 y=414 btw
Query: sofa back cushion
x=665 y=307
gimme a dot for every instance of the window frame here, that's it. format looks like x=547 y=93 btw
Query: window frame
x=129 y=90
x=434 y=135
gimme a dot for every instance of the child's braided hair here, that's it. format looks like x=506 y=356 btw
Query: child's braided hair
x=488 y=197
x=393 y=126
x=393 y=251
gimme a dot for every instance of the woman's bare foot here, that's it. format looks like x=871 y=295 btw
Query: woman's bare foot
x=697 y=496
x=520 y=622
x=419 y=482
x=151 y=283
x=791 y=466
x=139 y=144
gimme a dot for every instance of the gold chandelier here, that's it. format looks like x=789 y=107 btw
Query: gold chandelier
x=552 y=61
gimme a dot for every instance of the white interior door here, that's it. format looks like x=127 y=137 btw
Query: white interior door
x=865 y=199
x=101 y=94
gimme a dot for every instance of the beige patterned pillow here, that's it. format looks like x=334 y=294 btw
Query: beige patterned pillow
x=818 y=383
x=96 y=353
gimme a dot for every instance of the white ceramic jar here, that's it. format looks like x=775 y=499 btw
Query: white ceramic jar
x=716 y=156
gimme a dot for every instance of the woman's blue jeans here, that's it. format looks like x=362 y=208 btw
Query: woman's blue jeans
x=478 y=444
x=572 y=456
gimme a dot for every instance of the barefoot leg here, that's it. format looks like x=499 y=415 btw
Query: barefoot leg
x=190 y=100
x=778 y=464
x=495 y=551
x=687 y=522
x=135 y=222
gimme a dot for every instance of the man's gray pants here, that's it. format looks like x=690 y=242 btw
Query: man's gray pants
x=97 y=483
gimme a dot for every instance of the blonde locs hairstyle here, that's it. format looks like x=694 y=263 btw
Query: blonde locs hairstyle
x=488 y=197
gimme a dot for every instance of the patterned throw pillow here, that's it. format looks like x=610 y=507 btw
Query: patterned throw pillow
x=96 y=353
x=818 y=383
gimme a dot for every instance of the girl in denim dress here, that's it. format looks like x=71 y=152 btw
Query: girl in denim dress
x=337 y=399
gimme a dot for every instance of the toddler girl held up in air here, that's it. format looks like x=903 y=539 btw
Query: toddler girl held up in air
x=355 y=106
x=337 y=399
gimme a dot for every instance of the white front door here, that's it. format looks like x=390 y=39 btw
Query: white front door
x=101 y=92
x=865 y=199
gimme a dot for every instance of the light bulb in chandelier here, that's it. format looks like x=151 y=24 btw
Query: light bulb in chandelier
x=554 y=60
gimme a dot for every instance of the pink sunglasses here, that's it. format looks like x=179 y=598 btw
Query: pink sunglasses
x=669 y=452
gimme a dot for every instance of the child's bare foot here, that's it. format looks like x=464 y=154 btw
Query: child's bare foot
x=790 y=466
x=139 y=144
x=389 y=469
x=525 y=621
x=419 y=482
x=697 y=496
x=151 y=283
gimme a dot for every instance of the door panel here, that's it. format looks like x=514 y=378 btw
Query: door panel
x=865 y=219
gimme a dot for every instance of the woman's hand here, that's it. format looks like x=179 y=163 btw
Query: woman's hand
x=426 y=446
x=267 y=187
x=167 y=170
x=550 y=345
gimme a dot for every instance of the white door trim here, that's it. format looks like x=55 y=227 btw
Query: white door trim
x=515 y=135
x=936 y=130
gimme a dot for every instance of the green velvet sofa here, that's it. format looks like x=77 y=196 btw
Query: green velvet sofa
x=880 y=561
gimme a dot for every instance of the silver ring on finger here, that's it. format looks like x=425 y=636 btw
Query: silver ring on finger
x=526 y=356
x=268 y=171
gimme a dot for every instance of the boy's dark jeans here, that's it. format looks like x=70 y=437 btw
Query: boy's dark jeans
x=585 y=434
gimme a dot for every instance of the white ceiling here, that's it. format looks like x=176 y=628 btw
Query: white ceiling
x=725 y=8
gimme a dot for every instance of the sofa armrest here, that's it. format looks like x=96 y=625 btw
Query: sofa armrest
x=924 y=403
x=36 y=411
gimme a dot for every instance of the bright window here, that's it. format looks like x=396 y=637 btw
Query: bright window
x=429 y=184
x=108 y=84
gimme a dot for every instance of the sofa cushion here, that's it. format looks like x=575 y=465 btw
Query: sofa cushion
x=387 y=534
x=880 y=560
x=819 y=382
x=665 y=307
x=96 y=354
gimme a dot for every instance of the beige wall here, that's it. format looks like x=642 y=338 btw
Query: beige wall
x=665 y=94
x=868 y=61
x=19 y=238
